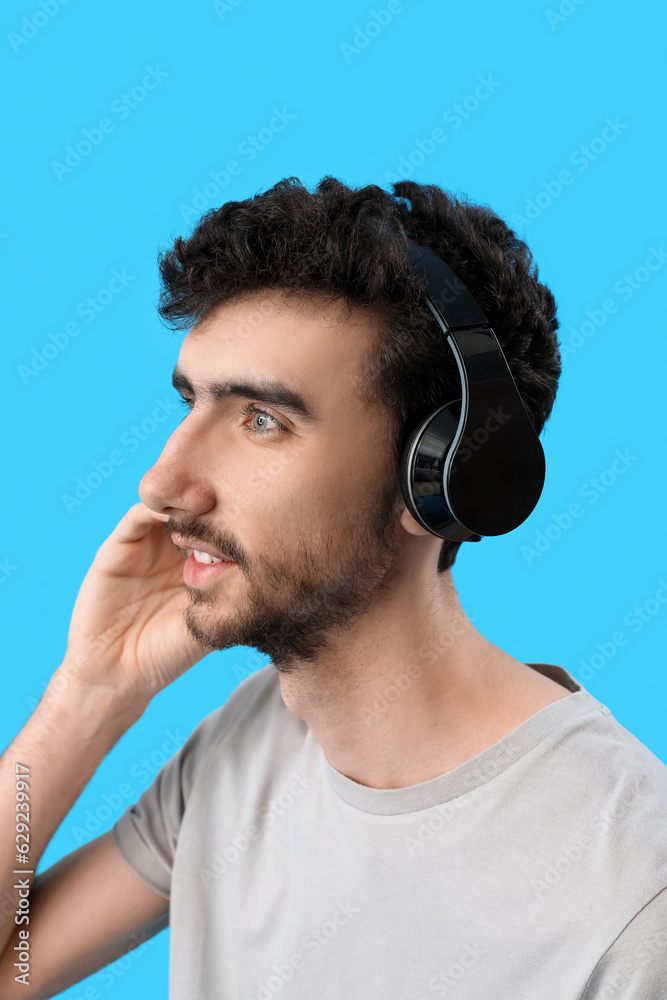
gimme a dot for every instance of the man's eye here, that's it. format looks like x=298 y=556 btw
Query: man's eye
x=263 y=428
x=187 y=404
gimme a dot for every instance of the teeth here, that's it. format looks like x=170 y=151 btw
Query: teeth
x=204 y=557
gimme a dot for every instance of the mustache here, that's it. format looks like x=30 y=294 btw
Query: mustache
x=197 y=530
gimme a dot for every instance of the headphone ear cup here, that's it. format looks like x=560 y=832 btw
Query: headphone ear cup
x=404 y=472
x=413 y=487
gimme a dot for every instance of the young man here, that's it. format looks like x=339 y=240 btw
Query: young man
x=393 y=806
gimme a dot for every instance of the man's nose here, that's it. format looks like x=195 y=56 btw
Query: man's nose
x=179 y=482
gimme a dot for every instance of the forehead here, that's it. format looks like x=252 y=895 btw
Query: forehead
x=315 y=346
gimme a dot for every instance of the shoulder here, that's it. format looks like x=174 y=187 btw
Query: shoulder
x=635 y=964
x=591 y=750
x=622 y=758
x=603 y=764
x=219 y=740
x=599 y=800
x=607 y=775
x=254 y=725
x=248 y=709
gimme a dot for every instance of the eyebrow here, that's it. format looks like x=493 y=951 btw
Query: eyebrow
x=265 y=390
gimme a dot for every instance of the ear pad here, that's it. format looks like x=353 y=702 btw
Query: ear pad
x=421 y=470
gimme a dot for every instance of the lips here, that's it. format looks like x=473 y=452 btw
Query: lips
x=189 y=544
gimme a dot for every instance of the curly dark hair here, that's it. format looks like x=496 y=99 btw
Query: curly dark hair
x=337 y=241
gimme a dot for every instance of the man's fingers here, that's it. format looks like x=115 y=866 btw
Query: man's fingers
x=137 y=523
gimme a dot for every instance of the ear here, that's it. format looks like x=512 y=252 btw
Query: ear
x=411 y=526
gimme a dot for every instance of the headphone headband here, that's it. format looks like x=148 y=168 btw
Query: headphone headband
x=445 y=289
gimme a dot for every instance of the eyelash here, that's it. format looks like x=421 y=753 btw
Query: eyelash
x=251 y=408
x=246 y=411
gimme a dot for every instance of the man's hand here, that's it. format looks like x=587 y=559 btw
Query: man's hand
x=127 y=630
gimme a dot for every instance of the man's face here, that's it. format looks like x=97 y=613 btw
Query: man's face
x=307 y=512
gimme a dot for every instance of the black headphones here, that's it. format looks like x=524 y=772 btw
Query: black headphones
x=474 y=466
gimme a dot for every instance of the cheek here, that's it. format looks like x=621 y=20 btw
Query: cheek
x=297 y=490
x=350 y=477
x=264 y=494
x=265 y=475
x=248 y=477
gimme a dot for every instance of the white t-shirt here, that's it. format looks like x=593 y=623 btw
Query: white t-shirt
x=536 y=870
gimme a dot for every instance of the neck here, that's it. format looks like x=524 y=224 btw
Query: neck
x=413 y=689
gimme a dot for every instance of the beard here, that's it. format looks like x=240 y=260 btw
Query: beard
x=294 y=604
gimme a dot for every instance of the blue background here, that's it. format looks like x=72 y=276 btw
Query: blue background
x=364 y=106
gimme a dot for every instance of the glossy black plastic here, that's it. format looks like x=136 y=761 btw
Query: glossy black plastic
x=456 y=304
x=475 y=466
